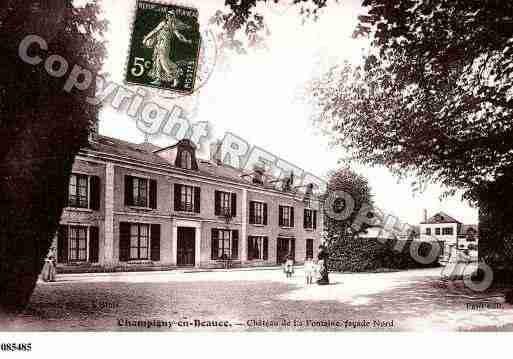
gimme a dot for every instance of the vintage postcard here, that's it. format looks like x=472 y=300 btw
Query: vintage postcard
x=294 y=168
x=164 y=47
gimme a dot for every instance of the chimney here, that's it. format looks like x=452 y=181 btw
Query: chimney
x=94 y=130
x=258 y=174
x=425 y=215
x=215 y=152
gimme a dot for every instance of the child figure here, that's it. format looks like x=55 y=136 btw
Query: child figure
x=309 y=270
x=289 y=265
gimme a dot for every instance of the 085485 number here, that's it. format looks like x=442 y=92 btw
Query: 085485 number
x=139 y=66
x=16 y=347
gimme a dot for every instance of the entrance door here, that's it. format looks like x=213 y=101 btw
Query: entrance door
x=285 y=245
x=186 y=248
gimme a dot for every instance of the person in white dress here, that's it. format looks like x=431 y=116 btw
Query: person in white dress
x=309 y=270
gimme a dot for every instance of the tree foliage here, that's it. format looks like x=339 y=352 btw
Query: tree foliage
x=357 y=187
x=434 y=95
x=242 y=26
x=42 y=128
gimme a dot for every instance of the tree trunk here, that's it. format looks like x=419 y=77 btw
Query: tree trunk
x=31 y=203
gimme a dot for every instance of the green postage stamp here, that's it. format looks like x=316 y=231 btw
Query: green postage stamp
x=164 y=47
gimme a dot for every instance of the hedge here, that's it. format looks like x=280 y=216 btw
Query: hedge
x=369 y=254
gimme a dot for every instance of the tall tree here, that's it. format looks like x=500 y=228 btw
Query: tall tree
x=434 y=97
x=347 y=193
x=42 y=128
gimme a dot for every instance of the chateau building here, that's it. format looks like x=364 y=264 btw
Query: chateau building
x=138 y=206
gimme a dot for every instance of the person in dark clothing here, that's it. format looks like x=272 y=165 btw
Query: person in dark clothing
x=323 y=257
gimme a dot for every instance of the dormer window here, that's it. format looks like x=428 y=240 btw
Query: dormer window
x=183 y=155
x=185 y=159
x=258 y=174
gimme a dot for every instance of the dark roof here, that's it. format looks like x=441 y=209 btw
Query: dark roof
x=118 y=147
x=146 y=152
x=441 y=217
x=149 y=147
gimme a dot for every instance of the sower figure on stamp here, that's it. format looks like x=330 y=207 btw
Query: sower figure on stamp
x=160 y=38
x=323 y=265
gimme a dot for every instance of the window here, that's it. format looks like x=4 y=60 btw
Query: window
x=257 y=247
x=140 y=192
x=78 y=191
x=428 y=231
x=224 y=203
x=309 y=248
x=310 y=219
x=185 y=160
x=187 y=198
x=77 y=243
x=223 y=244
x=139 y=240
x=448 y=231
x=286 y=216
x=257 y=213
x=437 y=231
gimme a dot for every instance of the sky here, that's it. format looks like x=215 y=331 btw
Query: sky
x=258 y=97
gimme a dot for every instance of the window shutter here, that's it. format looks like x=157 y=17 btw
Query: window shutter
x=178 y=190
x=234 y=204
x=62 y=244
x=94 y=244
x=252 y=212
x=153 y=194
x=66 y=194
x=197 y=199
x=94 y=189
x=314 y=219
x=129 y=200
x=217 y=203
x=266 y=248
x=155 y=242
x=292 y=216
x=265 y=213
x=280 y=215
x=235 y=244
x=215 y=244
x=304 y=218
x=124 y=241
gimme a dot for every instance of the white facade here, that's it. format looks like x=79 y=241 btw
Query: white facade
x=447 y=232
x=444 y=228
